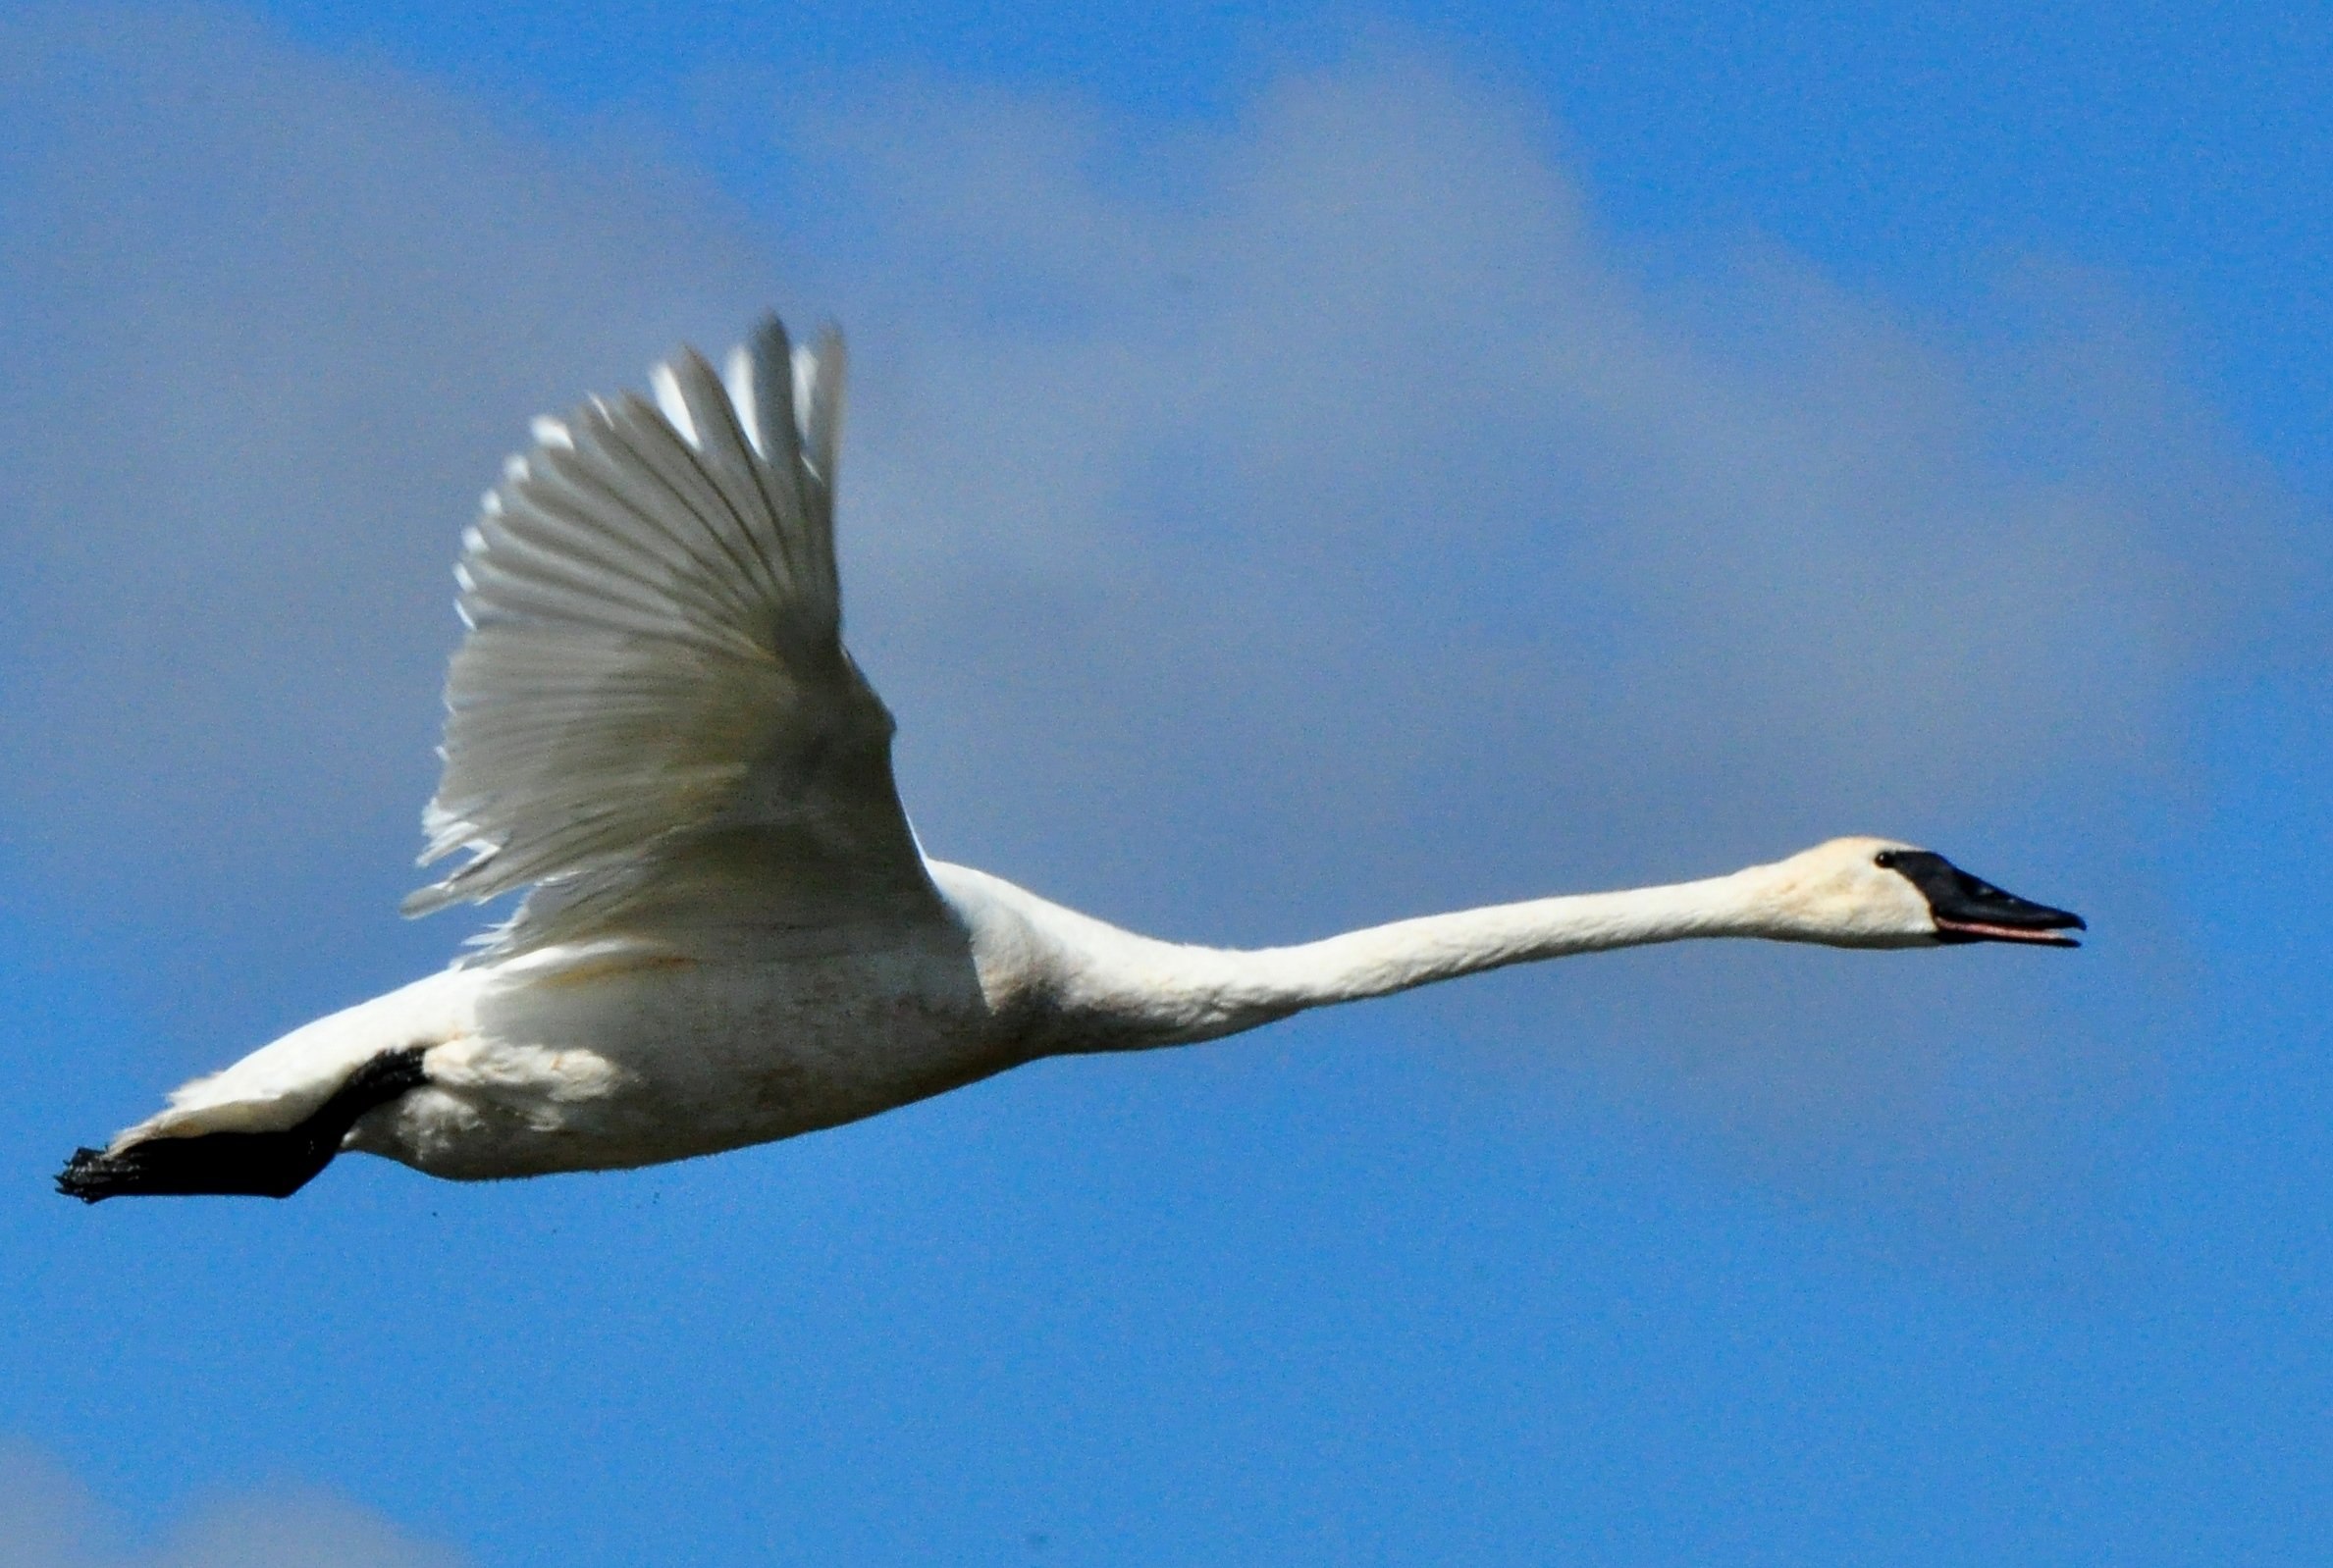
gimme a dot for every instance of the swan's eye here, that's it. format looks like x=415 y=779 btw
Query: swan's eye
x=1884 y=860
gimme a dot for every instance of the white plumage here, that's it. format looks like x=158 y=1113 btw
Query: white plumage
x=733 y=934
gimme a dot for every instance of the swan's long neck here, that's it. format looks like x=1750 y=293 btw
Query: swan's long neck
x=1114 y=990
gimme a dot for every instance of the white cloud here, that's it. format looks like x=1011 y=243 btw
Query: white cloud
x=49 y=1520
x=272 y=324
x=1368 y=444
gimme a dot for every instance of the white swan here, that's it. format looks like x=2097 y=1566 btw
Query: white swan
x=733 y=935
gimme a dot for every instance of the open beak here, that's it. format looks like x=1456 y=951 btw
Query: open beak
x=2051 y=935
x=1966 y=909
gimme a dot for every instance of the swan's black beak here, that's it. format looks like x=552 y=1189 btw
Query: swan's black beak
x=1968 y=910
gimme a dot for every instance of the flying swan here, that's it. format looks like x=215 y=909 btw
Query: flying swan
x=732 y=935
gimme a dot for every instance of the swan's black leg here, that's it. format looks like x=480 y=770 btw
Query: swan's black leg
x=266 y=1165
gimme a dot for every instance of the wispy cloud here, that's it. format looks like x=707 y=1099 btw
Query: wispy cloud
x=1365 y=439
x=49 y=1520
x=270 y=320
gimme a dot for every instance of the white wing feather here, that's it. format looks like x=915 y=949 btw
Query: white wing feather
x=652 y=711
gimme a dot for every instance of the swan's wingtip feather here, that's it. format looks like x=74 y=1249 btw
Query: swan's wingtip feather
x=446 y=833
x=425 y=901
x=664 y=380
x=766 y=340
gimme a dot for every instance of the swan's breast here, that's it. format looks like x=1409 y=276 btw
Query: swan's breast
x=606 y=1063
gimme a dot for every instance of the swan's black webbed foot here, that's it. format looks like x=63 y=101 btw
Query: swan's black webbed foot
x=263 y=1165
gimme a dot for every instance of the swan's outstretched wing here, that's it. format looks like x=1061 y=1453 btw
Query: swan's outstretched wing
x=652 y=715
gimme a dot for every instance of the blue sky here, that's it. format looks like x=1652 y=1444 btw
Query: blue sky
x=1305 y=468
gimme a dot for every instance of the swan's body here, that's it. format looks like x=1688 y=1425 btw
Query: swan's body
x=733 y=936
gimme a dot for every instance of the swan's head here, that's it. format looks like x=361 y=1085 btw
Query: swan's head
x=1872 y=892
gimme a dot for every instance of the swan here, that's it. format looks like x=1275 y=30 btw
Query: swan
x=731 y=934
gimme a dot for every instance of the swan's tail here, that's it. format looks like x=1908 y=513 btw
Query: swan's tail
x=272 y=1164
